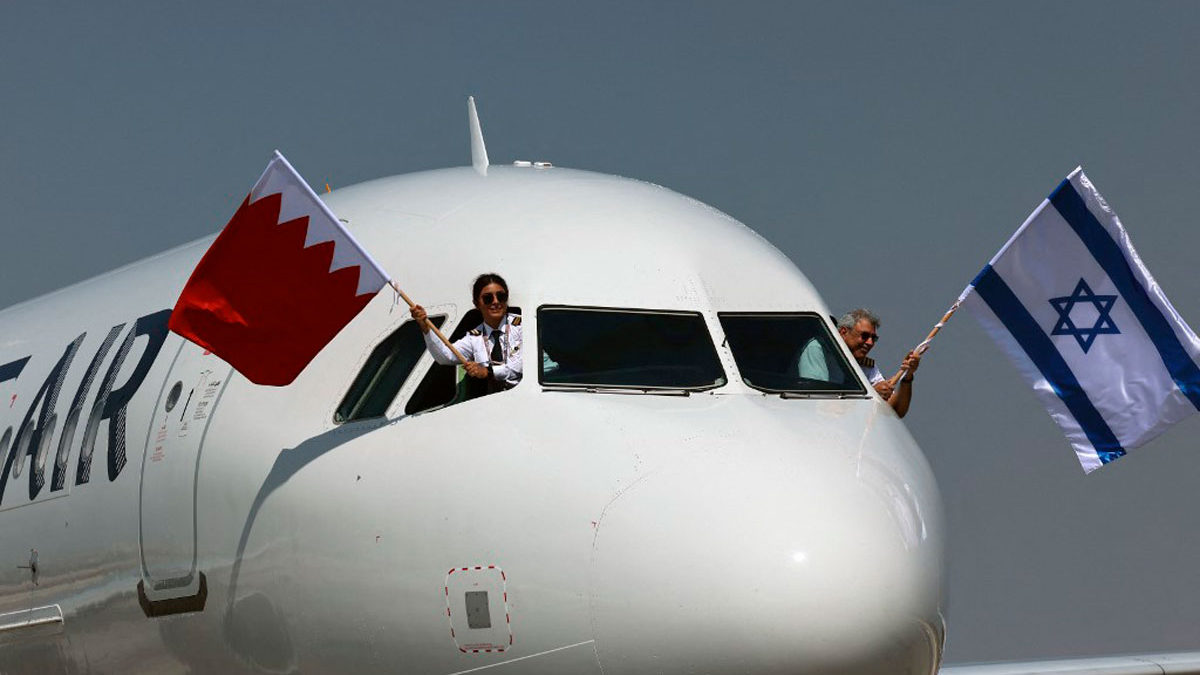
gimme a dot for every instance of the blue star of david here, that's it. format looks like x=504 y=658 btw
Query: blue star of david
x=1085 y=336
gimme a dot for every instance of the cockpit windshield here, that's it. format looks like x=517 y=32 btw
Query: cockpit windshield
x=789 y=353
x=591 y=347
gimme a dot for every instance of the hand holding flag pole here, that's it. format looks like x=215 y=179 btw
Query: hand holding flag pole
x=924 y=346
x=1118 y=372
x=454 y=350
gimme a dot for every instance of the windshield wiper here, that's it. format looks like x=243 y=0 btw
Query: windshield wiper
x=822 y=394
x=602 y=389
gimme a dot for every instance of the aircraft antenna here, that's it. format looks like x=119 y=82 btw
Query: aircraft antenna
x=479 y=158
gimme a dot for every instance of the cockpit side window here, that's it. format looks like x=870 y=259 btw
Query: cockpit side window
x=789 y=353
x=447 y=385
x=602 y=348
x=384 y=373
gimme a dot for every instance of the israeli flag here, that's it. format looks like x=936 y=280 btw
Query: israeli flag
x=1071 y=303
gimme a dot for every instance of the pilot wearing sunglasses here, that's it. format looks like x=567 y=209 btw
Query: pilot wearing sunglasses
x=493 y=349
x=858 y=329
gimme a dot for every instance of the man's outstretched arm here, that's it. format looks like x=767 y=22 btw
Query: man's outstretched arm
x=902 y=396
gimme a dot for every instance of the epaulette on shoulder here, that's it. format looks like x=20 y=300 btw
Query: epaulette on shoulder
x=516 y=321
x=868 y=362
x=476 y=331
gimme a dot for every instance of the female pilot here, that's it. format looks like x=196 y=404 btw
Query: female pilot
x=493 y=349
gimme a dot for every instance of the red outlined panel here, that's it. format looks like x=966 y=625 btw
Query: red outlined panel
x=477 y=609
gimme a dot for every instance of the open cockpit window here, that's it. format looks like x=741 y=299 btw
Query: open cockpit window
x=597 y=348
x=789 y=354
x=384 y=373
x=447 y=385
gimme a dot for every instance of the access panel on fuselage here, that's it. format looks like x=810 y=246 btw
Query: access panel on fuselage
x=167 y=515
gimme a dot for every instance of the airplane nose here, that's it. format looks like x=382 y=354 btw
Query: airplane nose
x=738 y=563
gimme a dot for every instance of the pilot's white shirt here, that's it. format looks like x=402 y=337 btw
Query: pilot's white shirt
x=872 y=372
x=477 y=346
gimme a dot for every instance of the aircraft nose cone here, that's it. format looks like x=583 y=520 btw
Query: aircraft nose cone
x=730 y=564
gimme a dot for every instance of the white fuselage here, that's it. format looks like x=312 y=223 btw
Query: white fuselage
x=727 y=531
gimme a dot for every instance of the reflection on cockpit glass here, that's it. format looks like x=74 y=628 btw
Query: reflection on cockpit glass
x=591 y=347
x=788 y=353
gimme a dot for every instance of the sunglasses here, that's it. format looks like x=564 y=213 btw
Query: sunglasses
x=500 y=297
x=868 y=336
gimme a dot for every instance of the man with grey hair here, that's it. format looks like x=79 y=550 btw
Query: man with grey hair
x=858 y=329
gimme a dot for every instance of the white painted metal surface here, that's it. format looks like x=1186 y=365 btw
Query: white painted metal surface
x=479 y=156
x=26 y=620
x=186 y=404
x=722 y=532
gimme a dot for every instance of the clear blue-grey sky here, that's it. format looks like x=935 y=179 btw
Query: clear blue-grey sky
x=888 y=148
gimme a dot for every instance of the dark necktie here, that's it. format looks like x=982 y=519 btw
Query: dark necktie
x=497 y=353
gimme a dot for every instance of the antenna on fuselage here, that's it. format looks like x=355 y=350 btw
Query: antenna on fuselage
x=479 y=158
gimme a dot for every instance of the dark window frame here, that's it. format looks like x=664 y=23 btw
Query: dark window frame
x=716 y=355
x=373 y=369
x=469 y=320
x=848 y=365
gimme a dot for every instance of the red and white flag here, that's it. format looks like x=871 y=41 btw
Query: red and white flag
x=278 y=283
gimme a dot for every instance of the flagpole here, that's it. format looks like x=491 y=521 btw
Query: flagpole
x=404 y=296
x=312 y=195
x=924 y=346
x=361 y=251
x=329 y=214
x=921 y=348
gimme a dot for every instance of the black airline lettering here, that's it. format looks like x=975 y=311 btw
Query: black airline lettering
x=110 y=404
x=33 y=438
x=59 y=479
x=10 y=371
x=29 y=435
x=83 y=468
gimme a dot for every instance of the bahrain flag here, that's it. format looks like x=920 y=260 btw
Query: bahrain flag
x=278 y=283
